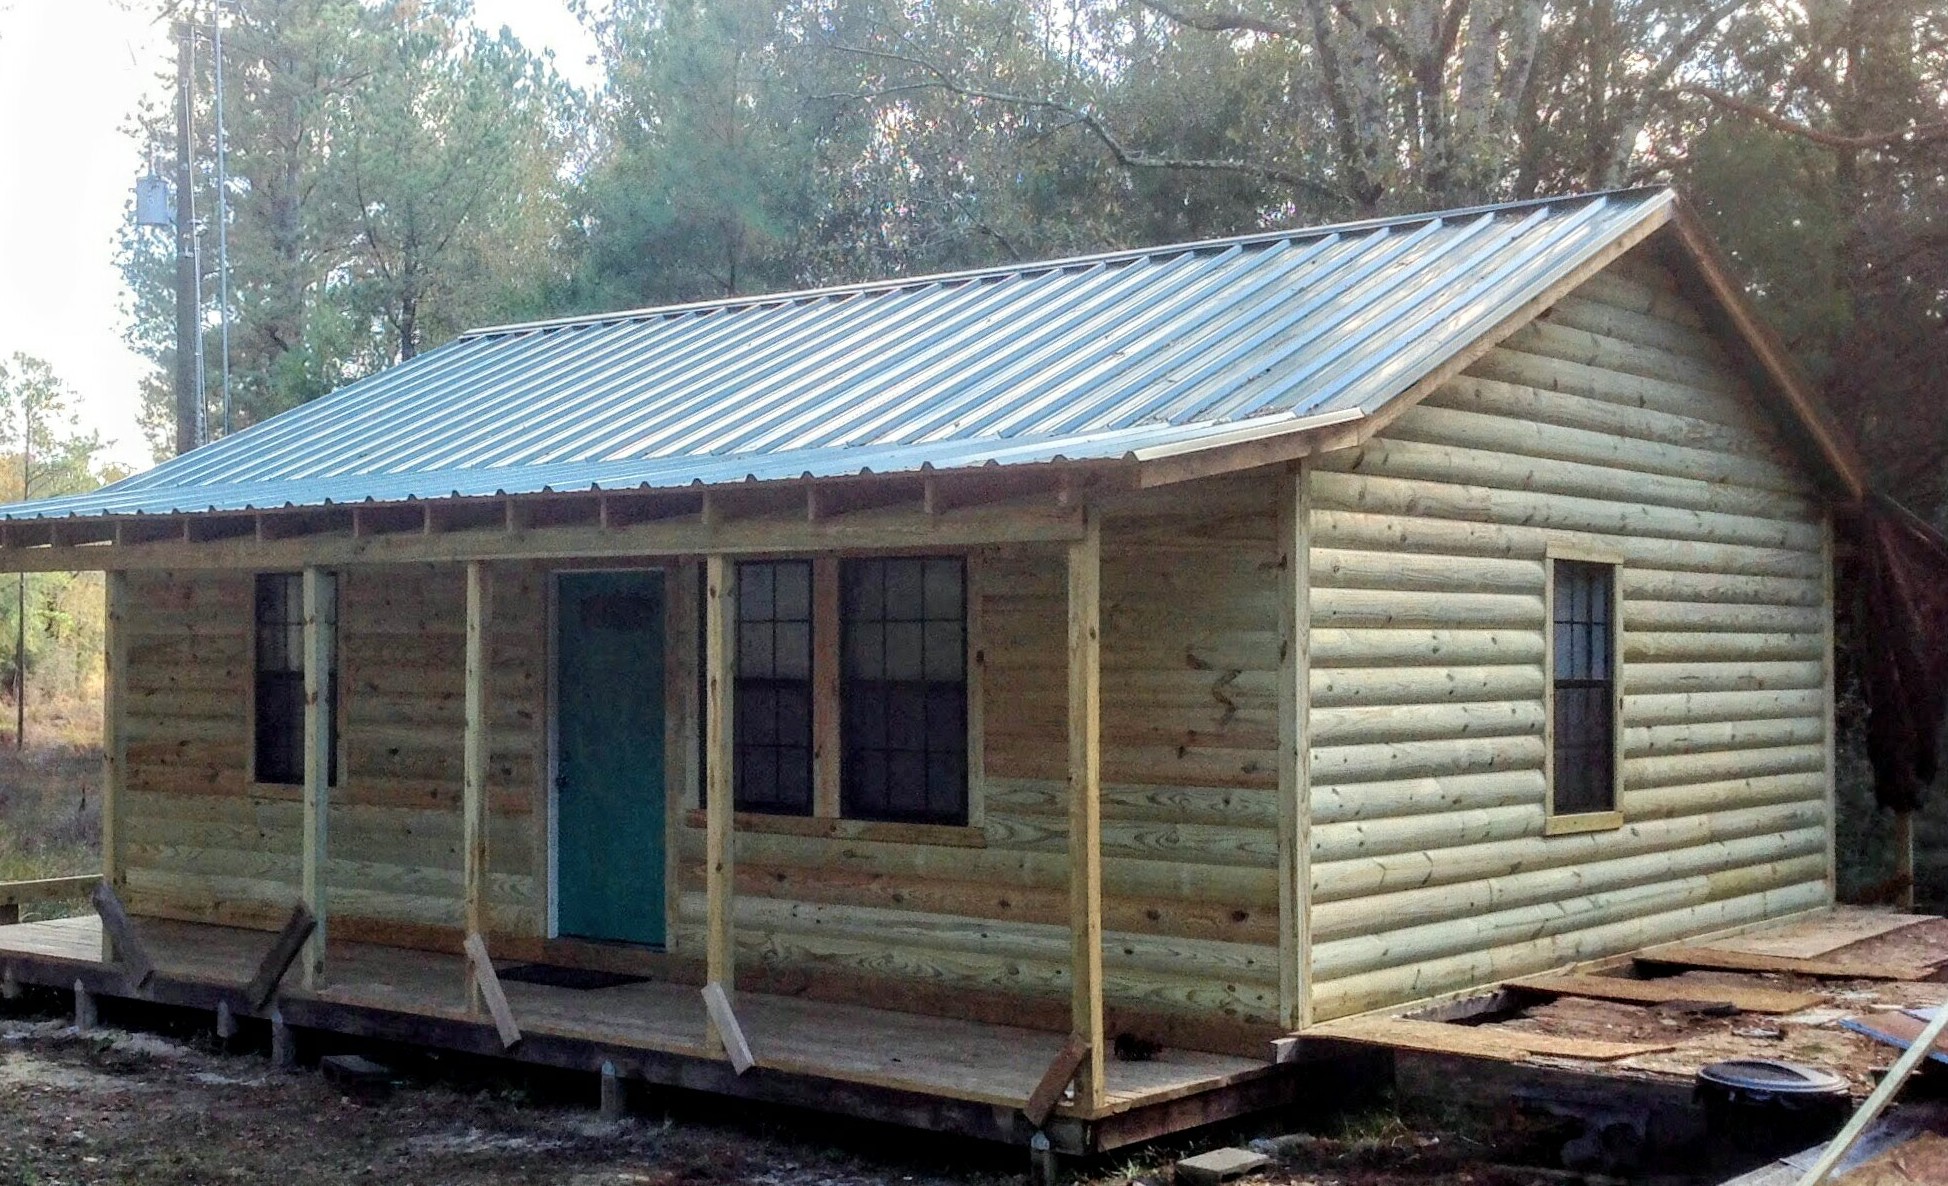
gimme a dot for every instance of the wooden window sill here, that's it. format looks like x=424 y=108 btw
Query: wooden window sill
x=943 y=835
x=1592 y=821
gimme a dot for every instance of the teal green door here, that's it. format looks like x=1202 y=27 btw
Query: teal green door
x=609 y=756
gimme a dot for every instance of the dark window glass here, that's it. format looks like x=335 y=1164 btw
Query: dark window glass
x=279 y=618
x=773 y=702
x=904 y=705
x=1585 y=724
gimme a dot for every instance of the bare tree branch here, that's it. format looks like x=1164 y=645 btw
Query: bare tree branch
x=940 y=80
x=1223 y=22
x=1918 y=134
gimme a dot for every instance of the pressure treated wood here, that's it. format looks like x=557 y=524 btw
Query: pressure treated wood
x=1295 y=701
x=475 y=740
x=1085 y=805
x=115 y=710
x=720 y=607
x=317 y=768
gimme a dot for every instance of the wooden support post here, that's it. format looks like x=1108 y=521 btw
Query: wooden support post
x=720 y=606
x=1055 y=1080
x=1903 y=858
x=130 y=954
x=826 y=674
x=612 y=1103
x=86 y=1015
x=1294 y=749
x=473 y=799
x=226 y=1021
x=284 y=1043
x=9 y=913
x=723 y=1023
x=1085 y=806
x=284 y=951
x=9 y=984
x=489 y=982
x=114 y=741
x=319 y=614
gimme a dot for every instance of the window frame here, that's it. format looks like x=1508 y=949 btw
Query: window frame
x=827 y=818
x=846 y=789
x=738 y=678
x=338 y=774
x=1559 y=823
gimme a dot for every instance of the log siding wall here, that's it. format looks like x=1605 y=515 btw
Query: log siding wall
x=204 y=844
x=1615 y=423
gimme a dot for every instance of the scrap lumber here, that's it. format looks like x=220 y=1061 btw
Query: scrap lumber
x=1480 y=1041
x=284 y=952
x=717 y=1003
x=1745 y=998
x=1741 y=961
x=490 y=992
x=1896 y=1027
x=133 y=957
x=1055 y=1080
x=1889 y=1087
x=1822 y=936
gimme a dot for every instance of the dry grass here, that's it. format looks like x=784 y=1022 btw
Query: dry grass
x=50 y=792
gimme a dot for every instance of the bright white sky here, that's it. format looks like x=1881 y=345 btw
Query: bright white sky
x=72 y=73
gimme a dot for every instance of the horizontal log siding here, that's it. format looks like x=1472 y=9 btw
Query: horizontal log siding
x=1613 y=423
x=202 y=844
x=1189 y=734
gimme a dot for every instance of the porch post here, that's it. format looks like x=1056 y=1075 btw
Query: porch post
x=317 y=762
x=1085 y=804
x=114 y=741
x=473 y=796
x=719 y=653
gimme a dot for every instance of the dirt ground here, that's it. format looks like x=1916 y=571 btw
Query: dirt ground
x=142 y=1106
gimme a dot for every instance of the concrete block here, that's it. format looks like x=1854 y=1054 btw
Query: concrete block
x=1220 y=1165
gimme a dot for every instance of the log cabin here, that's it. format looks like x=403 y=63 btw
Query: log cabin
x=964 y=679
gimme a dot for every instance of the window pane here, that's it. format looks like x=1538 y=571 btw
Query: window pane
x=754 y=594
x=792 y=590
x=792 y=650
x=863 y=580
x=946 y=647
x=903 y=641
x=754 y=650
x=1585 y=671
x=903 y=590
x=943 y=589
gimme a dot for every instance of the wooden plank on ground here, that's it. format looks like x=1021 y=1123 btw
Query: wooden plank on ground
x=1747 y=998
x=1479 y=1041
x=724 y=1020
x=278 y=960
x=133 y=957
x=1820 y=936
x=490 y=992
x=1055 y=1080
x=1740 y=961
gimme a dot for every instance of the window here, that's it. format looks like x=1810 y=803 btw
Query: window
x=280 y=677
x=773 y=699
x=1583 y=747
x=903 y=699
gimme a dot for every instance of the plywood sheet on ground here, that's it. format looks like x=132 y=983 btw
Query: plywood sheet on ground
x=1816 y=937
x=1479 y=1041
x=1745 y=998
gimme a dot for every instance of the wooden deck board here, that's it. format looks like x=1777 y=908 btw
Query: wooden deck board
x=944 y=1057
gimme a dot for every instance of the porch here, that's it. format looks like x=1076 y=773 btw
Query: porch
x=948 y=1075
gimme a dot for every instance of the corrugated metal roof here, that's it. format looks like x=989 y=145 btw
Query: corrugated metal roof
x=1112 y=356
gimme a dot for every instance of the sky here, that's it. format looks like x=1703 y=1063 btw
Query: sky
x=72 y=75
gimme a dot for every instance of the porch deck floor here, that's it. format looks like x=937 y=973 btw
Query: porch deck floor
x=953 y=1059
